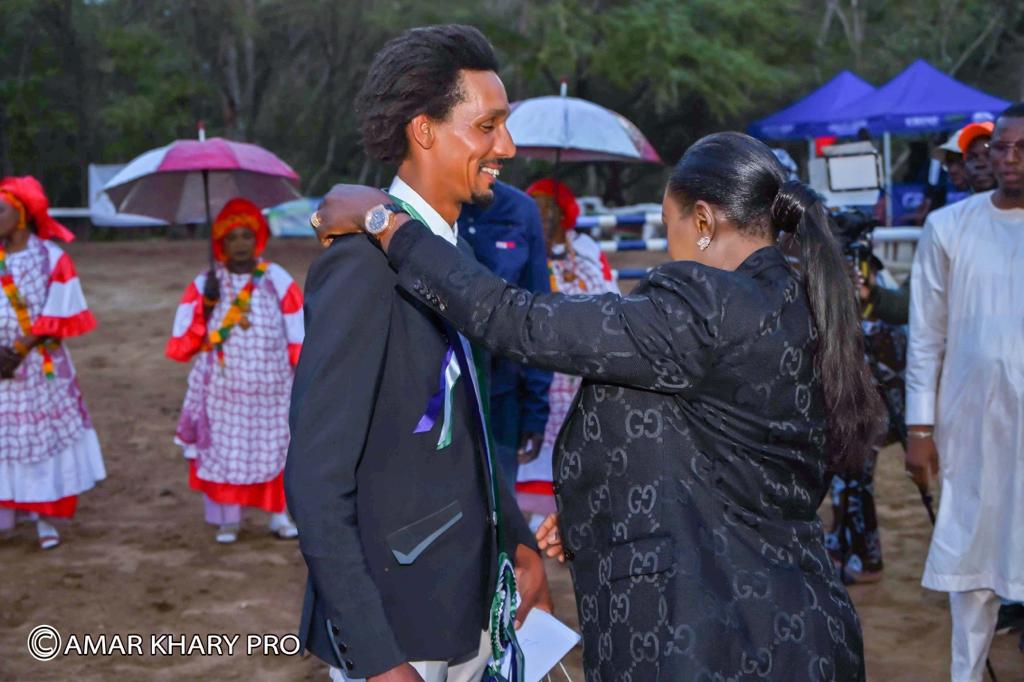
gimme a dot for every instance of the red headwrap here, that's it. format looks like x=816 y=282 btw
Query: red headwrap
x=239 y=213
x=29 y=193
x=563 y=197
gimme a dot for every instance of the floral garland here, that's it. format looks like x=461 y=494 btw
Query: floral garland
x=236 y=314
x=567 y=275
x=21 y=310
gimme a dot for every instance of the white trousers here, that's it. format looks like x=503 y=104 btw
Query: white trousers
x=974 y=623
x=439 y=671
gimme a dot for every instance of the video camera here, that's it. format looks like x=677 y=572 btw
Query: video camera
x=852 y=230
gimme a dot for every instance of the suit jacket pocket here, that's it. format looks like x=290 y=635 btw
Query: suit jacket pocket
x=409 y=542
x=644 y=556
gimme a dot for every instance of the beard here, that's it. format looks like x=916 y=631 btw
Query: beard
x=483 y=199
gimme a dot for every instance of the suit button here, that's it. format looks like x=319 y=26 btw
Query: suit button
x=441 y=306
x=349 y=664
x=335 y=631
x=569 y=554
x=342 y=647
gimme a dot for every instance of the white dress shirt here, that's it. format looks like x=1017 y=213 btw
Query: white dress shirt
x=435 y=222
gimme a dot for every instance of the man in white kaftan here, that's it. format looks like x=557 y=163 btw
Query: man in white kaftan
x=965 y=397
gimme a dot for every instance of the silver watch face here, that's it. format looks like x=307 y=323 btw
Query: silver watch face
x=377 y=219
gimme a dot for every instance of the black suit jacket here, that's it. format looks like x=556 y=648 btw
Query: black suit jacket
x=397 y=535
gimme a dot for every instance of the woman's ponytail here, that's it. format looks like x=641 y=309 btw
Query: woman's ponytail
x=743 y=177
x=854 y=408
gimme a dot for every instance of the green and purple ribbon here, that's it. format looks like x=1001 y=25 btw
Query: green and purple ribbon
x=507 y=599
x=444 y=397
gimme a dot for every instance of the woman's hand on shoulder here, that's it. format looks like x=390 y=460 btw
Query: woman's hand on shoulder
x=343 y=211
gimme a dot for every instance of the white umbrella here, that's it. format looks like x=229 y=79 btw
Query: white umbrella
x=566 y=128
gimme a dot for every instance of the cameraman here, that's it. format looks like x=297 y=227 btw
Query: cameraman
x=851 y=229
x=853 y=540
x=891 y=306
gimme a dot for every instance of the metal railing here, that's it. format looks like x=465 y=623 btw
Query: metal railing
x=895 y=246
x=57 y=212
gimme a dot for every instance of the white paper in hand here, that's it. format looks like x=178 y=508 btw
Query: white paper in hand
x=545 y=641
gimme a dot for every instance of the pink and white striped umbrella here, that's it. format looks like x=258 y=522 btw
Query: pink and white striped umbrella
x=168 y=182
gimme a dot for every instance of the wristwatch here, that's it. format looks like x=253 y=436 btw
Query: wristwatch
x=381 y=217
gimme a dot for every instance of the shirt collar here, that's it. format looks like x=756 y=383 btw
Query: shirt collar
x=435 y=222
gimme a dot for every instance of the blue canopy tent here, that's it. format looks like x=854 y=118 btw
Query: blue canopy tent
x=920 y=99
x=817 y=109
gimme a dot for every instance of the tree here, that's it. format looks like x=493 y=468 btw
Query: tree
x=103 y=80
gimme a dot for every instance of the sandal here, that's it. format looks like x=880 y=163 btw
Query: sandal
x=227 y=533
x=48 y=535
x=851 y=577
x=282 y=526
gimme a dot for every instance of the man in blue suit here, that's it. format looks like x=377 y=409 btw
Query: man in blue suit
x=507 y=237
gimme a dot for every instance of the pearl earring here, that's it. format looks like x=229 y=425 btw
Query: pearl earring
x=703 y=243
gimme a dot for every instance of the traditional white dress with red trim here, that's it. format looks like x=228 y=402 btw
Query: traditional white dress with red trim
x=234 y=420
x=49 y=452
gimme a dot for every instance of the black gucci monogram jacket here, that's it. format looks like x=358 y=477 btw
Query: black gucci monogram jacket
x=690 y=468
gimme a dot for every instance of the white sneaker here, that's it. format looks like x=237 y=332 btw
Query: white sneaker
x=281 y=526
x=48 y=535
x=227 y=533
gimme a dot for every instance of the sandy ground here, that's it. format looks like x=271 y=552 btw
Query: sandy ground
x=139 y=559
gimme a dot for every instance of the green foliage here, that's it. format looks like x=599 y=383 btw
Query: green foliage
x=155 y=92
x=103 y=80
x=722 y=53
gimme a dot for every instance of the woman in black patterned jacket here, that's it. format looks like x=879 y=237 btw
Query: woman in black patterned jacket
x=718 y=398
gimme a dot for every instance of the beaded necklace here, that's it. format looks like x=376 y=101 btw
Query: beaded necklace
x=236 y=314
x=21 y=310
x=567 y=274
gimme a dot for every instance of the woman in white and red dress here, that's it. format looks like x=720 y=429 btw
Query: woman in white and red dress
x=245 y=326
x=576 y=266
x=49 y=453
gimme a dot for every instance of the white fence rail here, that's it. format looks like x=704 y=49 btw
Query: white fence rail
x=894 y=245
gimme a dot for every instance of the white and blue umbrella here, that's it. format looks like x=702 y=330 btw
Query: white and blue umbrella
x=563 y=128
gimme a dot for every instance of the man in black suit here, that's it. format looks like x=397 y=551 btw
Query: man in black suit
x=402 y=515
